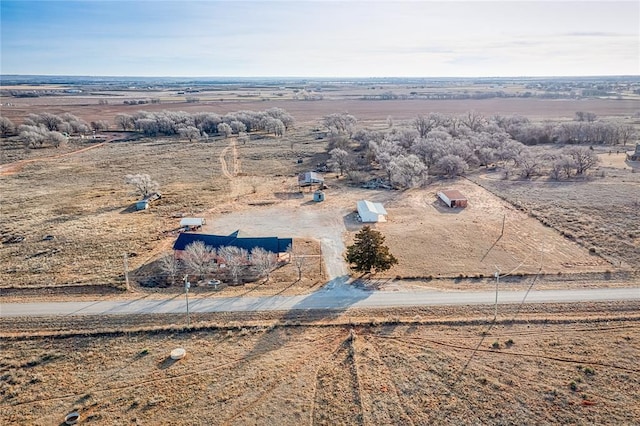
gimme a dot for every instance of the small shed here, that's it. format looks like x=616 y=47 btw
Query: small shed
x=318 y=196
x=371 y=212
x=192 y=223
x=453 y=198
x=144 y=203
x=634 y=155
x=310 y=179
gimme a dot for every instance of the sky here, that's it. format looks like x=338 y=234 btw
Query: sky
x=320 y=38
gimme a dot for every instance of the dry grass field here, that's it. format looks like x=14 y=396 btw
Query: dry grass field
x=77 y=219
x=600 y=212
x=92 y=221
x=570 y=364
x=309 y=112
x=83 y=204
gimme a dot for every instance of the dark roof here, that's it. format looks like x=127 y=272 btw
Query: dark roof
x=272 y=244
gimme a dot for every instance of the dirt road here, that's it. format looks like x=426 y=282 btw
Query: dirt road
x=338 y=297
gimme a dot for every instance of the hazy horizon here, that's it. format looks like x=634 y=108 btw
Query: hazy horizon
x=320 y=39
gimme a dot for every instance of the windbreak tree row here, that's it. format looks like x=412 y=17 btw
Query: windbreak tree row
x=202 y=124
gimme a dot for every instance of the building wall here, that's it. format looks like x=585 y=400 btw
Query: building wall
x=444 y=198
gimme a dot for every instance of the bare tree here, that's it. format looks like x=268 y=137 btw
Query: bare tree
x=225 y=130
x=422 y=125
x=198 y=258
x=143 y=184
x=583 y=158
x=170 y=266
x=340 y=123
x=626 y=132
x=189 y=132
x=451 y=165
x=563 y=164
x=282 y=115
x=529 y=165
x=473 y=120
x=124 y=121
x=339 y=160
x=56 y=139
x=408 y=171
x=238 y=127
x=99 y=125
x=234 y=258
x=585 y=116
x=264 y=261
x=6 y=127
x=297 y=257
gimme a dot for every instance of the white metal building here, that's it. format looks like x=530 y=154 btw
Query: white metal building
x=371 y=212
x=192 y=222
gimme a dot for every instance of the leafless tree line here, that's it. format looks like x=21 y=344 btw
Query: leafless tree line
x=43 y=129
x=203 y=124
x=446 y=145
x=49 y=129
x=585 y=129
x=202 y=261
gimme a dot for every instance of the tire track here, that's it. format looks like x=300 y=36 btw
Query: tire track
x=235 y=162
x=274 y=383
x=381 y=396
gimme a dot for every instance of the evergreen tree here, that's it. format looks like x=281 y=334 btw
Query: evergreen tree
x=368 y=252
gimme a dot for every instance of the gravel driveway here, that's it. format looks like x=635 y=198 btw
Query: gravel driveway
x=288 y=220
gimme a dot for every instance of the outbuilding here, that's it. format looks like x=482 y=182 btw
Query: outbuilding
x=371 y=212
x=309 y=179
x=146 y=201
x=453 y=198
x=192 y=223
x=634 y=155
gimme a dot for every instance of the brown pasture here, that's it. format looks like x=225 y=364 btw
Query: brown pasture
x=562 y=364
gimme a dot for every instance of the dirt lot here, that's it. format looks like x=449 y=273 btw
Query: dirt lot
x=429 y=239
x=565 y=364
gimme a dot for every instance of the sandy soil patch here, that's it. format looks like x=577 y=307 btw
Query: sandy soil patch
x=618 y=161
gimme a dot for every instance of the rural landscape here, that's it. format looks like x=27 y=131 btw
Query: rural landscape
x=551 y=203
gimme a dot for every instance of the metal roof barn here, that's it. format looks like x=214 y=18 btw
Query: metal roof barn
x=371 y=212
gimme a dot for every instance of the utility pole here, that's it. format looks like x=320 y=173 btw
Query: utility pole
x=126 y=271
x=187 y=285
x=495 y=310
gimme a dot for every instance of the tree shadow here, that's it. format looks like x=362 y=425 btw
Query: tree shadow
x=131 y=208
x=331 y=301
x=293 y=195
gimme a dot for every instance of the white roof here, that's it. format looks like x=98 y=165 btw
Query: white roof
x=192 y=221
x=368 y=206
